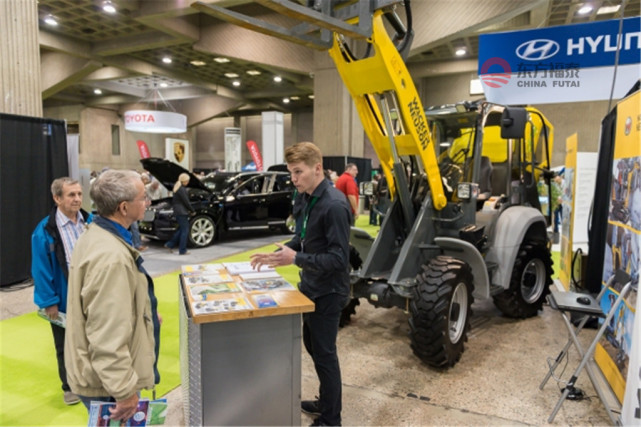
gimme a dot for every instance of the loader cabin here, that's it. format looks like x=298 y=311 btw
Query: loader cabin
x=514 y=142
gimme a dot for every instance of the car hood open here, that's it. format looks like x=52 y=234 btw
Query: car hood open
x=167 y=172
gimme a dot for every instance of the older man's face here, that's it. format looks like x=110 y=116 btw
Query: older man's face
x=70 y=202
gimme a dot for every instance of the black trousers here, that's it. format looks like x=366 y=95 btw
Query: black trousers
x=320 y=329
x=59 y=342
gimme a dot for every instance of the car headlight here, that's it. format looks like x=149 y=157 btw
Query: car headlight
x=166 y=211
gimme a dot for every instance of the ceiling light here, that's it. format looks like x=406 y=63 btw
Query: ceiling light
x=236 y=83
x=97 y=91
x=460 y=51
x=606 y=10
x=278 y=79
x=584 y=10
x=50 y=20
x=163 y=84
x=108 y=7
x=253 y=72
x=231 y=75
x=166 y=60
x=310 y=96
x=285 y=100
x=221 y=60
x=197 y=63
x=294 y=98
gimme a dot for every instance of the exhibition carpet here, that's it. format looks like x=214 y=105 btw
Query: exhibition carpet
x=30 y=391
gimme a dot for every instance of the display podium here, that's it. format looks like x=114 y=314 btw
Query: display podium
x=242 y=367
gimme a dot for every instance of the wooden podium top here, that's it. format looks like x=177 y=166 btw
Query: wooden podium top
x=288 y=302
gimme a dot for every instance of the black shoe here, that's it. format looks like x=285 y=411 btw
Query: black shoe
x=311 y=407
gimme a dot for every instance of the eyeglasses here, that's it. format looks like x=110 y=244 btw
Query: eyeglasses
x=145 y=199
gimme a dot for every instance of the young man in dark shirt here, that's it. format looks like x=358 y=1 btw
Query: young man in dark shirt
x=321 y=250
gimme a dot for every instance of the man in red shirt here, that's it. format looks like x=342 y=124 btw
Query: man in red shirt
x=347 y=184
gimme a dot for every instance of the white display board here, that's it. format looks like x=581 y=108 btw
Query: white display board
x=586 y=166
x=232 y=149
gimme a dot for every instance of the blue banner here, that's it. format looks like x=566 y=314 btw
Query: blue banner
x=567 y=46
x=569 y=63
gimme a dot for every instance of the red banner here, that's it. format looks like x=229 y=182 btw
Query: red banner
x=255 y=153
x=143 y=149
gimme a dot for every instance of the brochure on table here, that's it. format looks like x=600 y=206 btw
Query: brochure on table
x=232 y=287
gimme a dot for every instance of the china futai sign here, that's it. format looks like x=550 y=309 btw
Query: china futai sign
x=151 y=121
x=567 y=63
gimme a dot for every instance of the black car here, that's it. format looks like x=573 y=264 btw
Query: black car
x=223 y=201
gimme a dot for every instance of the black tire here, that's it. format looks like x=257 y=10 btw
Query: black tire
x=529 y=284
x=355 y=263
x=202 y=231
x=346 y=314
x=440 y=311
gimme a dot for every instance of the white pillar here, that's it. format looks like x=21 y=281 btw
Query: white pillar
x=273 y=138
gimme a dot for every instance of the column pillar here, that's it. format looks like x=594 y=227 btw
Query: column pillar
x=20 y=52
x=337 y=127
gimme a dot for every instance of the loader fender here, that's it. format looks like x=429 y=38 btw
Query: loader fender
x=467 y=252
x=514 y=225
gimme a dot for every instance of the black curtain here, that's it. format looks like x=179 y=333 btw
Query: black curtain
x=33 y=152
x=337 y=164
x=598 y=225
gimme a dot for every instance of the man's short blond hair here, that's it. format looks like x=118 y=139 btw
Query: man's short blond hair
x=306 y=152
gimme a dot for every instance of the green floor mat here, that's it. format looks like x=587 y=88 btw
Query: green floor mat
x=30 y=391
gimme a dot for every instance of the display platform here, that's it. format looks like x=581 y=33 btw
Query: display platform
x=240 y=346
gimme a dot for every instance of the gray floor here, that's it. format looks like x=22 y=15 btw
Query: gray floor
x=495 y=383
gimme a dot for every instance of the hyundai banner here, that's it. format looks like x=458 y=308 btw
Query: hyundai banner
x=566 y=63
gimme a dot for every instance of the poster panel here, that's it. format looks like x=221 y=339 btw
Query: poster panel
x=565 y=275
x=177 y=151
x=621 y=260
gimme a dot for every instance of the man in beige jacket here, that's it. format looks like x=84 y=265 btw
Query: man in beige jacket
x=110 y=348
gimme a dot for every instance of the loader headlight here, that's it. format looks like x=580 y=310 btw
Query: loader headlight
x=464 y=191
x=467 y=190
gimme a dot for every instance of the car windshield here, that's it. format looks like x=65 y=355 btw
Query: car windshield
x=218 y=183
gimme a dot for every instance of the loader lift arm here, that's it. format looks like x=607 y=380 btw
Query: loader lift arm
x=387 y=100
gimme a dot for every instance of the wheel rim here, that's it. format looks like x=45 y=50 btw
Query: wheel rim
x=458 y=312
x=290 y=223
x=202 y=231
x=533 y=281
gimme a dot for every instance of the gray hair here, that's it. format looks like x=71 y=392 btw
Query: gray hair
x=59 y=183
x=113 y=187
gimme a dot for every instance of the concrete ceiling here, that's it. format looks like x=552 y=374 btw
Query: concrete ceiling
x=121 y=53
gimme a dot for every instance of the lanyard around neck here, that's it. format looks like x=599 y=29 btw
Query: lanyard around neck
x=310 y=205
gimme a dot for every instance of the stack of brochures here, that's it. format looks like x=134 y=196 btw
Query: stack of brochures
x=231 y=286
x=61 y=320
x=148 y=412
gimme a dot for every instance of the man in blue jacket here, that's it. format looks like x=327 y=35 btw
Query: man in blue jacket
x=51 y=245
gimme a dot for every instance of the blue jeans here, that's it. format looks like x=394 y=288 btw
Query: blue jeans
x=180 y=236
x=86 y=400
x=320 y=329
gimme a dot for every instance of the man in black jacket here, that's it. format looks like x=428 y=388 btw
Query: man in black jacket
x=321 y=250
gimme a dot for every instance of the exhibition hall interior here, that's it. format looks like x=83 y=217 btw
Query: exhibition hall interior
x=482 y=262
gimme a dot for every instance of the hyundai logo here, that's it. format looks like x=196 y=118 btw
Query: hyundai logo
x=537 y=50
